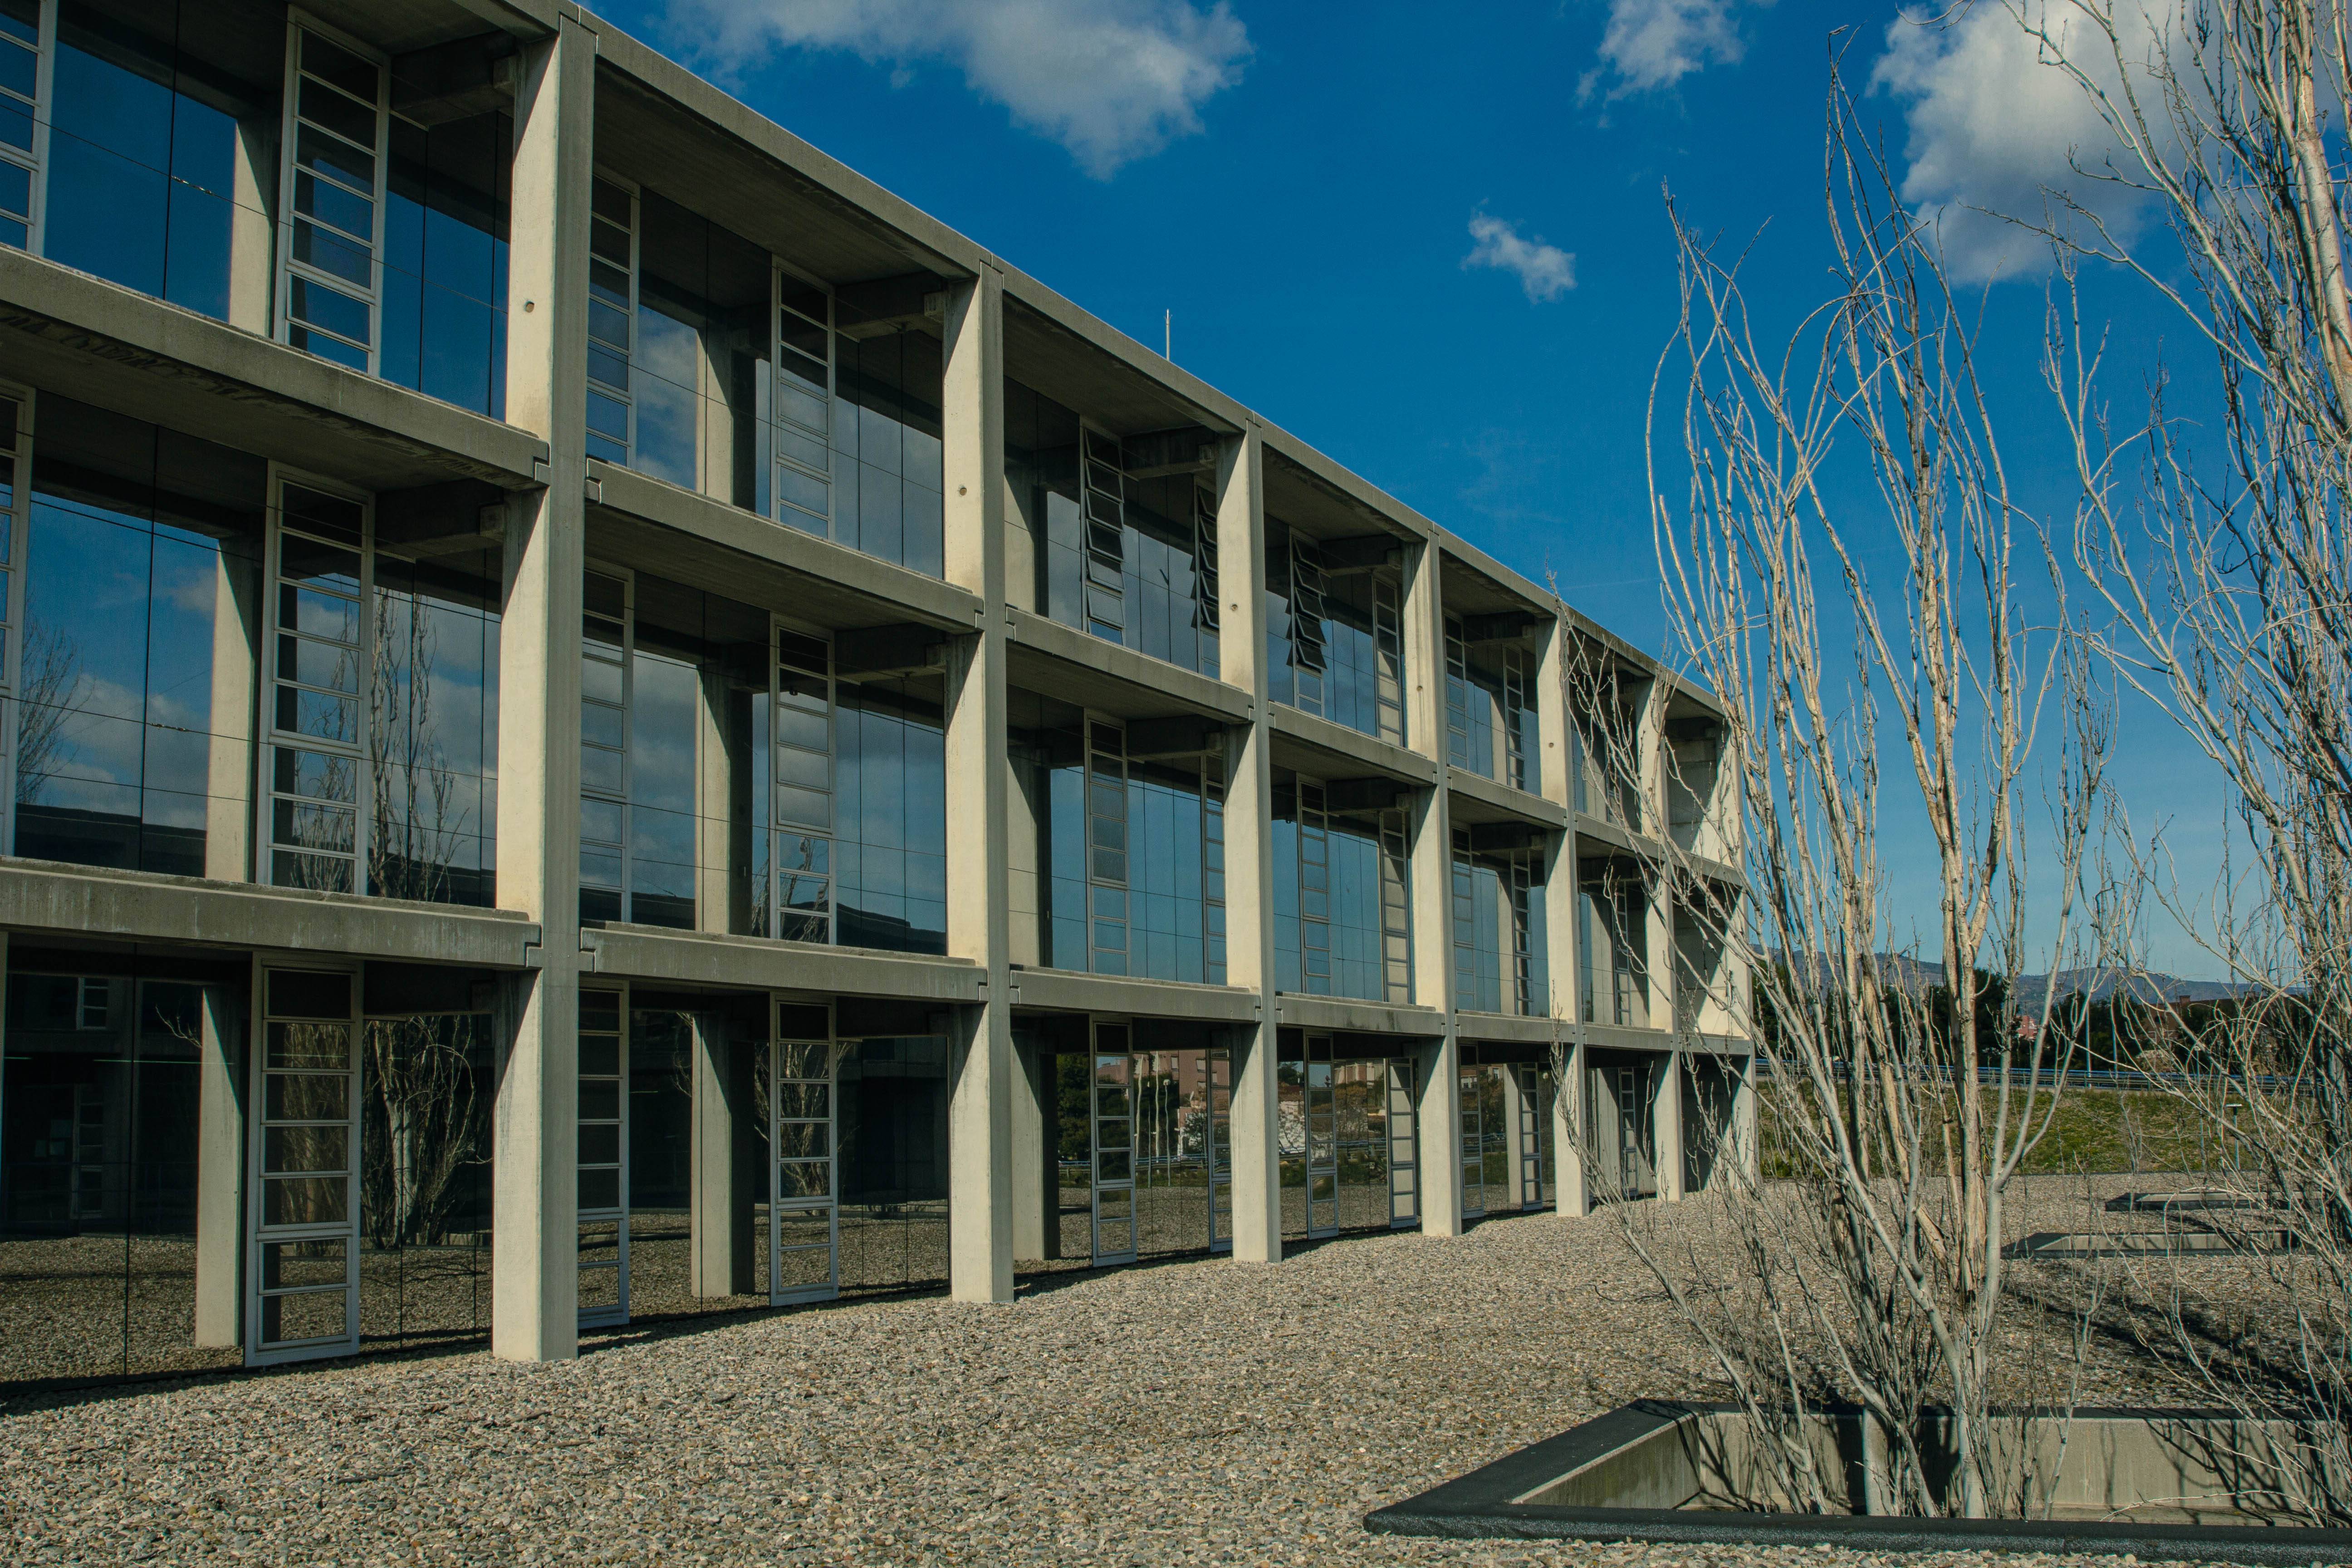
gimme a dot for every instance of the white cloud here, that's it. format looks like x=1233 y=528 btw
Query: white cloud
x=1545 y=271
x=1655 y=43
x=1112 y=80
x=1993 y=126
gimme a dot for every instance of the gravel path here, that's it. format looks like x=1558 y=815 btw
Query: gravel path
x=1195 y=1411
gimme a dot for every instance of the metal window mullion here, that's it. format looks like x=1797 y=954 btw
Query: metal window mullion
x=777 y=827
x=19 y=524
x=36 y=160
x=288 y=138
x=258 y=1232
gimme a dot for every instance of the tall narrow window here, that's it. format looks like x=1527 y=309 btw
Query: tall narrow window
x=805 y=813
x=1213 y=868
x=16 y=455
x=1310 y=656
x=804 y=373
x=1314 y=889
x=331 y=233
x=27 y=29
x=1204 y=568
x=1515 y=716
x=1388 y=659
x=1107 y=848
x=1103 y=481
x=1457 y=698
x=1396 y=907
x=319 y=657
x=603 y=1160
x=612 y=318
x=604 y=747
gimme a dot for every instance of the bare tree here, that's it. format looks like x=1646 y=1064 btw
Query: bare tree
x=2228 y=581
x=1904 y=1091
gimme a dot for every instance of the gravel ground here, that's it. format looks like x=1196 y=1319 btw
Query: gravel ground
x=1191 y=1412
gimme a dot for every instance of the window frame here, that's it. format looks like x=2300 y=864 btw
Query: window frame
x=287 y=269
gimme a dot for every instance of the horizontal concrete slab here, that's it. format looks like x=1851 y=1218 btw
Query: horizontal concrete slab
x=1476 y=798
x=1512 y=1030
x=67 y=332
x=1340 y=1013
x=1074 y=667
x=38 y=896
x=1071 y=993
x=1316 y=745
x=725 y=550
x=696 y=958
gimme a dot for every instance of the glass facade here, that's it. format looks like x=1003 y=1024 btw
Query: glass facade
x=1124 y=871
x=1336 y=1130
x=1499 y=955
x=1335 y=643
x=1490 y=709
x=134 y=669
x=1612 y=950
x=1128 y=556
x=1343 y=906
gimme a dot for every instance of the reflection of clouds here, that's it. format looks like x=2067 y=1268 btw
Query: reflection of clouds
x=665 y=713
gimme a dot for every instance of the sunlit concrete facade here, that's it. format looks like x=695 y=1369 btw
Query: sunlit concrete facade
x=607 y=720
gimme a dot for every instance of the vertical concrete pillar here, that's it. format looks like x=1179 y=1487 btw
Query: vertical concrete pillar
x=1572 y=1191
x=220 y=1166
x=1516 y=1135
x=1666 y=1126
x=980 y=1110
x=1746 y=1151
x=721 y=1183
x=1440 y=1112
x=535 y=1246
x=253 y=229
x=1036 y=1176
x=1254 y=1124
x=230 y=749
x=722 y=852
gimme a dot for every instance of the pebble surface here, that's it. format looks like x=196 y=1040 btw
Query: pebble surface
x=1192 y=1412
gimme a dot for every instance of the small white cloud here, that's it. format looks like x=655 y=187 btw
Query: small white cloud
x=1545 y=271
x=1994 y=125
x=1112 y=80
x=1652 y=43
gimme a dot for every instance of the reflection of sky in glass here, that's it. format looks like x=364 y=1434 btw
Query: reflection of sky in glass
x=139 y=182
x=1354 y=931
x=890 y=857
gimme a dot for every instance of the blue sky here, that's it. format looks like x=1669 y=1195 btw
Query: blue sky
x=1298 y=186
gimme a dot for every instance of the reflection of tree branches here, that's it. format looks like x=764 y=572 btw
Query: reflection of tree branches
x=412 y=840
x=419 y=1106
x=52 y=685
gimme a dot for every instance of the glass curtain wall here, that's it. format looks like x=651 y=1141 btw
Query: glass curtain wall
x=1129 y=557
x=1490 y=706
x=101 y=1097
x=1613 y=945
x=149 y=142
x=1342 y=905
x=137 y=605
x=1335 y=643
x=1162 y=1109
x=428 y=1073
x=1126 y=872
x=892 y=1125
x=679 y=346
x=1499 y=963
x=159 y=157
x=382 y=692
x=1333 y=1132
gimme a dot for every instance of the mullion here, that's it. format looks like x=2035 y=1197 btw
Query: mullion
x=367 y=295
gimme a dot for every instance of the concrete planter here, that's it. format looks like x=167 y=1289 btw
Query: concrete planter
x=2157 y=1483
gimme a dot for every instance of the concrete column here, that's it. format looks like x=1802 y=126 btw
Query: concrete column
x=1249 y=850
x=535 y=1249
x=236 y=708
x=220 y=1168
x=1036 y=1175
x=1572 y=1194
x=1514 y=1135
x=980 y=1112
x=1666 y=1126
x=1746 y=1151
x=1432 y=849
x=722 y=1181
x=724 y=807
x=252 y=230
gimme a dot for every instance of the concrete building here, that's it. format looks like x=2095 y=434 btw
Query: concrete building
x=607 y=720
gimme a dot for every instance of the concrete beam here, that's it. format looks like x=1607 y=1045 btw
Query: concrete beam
x=1477 y=798
x=1342 y=1015
x=1076 y=667
x=142 y=906
x=706 y=958
x=761 y=561
x=1313 y=744
x=1067 y=992
x=1505 y=1028
x=103 y=343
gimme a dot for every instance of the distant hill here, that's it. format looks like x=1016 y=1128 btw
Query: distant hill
x=2102 y=984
